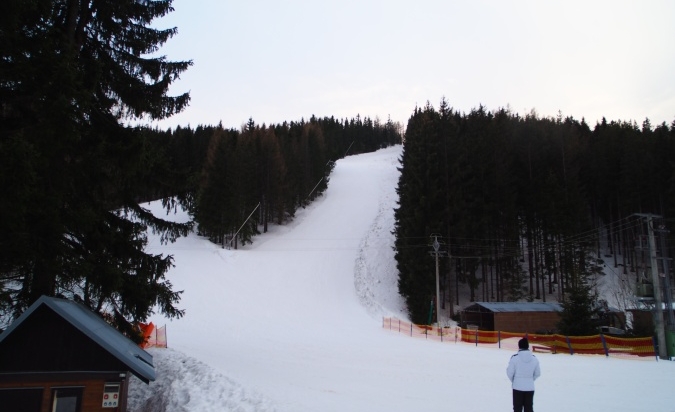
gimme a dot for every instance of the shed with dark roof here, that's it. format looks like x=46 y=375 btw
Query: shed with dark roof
x=533 y=317
x=59 y=355
x=517 y=317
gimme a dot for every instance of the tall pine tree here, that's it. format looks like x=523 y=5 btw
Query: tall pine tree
x=420 y=212
x=71 y=72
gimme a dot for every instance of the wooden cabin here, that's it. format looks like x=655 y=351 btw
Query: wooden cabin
x=60 y=356
x=530 y=317
x=517 y=317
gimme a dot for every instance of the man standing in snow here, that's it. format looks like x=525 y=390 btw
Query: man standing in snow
x=523 y=370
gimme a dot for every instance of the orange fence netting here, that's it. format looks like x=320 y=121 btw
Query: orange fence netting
x=593 y=345
x=153 y=337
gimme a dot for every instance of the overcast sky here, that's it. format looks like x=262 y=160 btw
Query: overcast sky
x=278 y=61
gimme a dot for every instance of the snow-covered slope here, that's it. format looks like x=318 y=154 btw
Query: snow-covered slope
x=293 y=323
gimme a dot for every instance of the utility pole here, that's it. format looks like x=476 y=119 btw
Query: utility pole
x=658 y=311
x=668 y=295
x=437 y=253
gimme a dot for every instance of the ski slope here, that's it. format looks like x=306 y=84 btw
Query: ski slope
x=293 y=323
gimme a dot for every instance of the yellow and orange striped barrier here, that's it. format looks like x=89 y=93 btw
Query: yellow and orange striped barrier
x=591 y=345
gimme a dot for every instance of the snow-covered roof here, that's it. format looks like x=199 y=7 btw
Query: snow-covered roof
x=518 y=306
x=136 y=359
x=523 y=307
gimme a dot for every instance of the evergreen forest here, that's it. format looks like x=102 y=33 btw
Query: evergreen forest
x=524 y=208
x=75 y=79
x=234 y=183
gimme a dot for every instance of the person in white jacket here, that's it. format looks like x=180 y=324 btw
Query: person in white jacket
x=523 y=370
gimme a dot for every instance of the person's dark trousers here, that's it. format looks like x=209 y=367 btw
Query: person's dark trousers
x=523 y=399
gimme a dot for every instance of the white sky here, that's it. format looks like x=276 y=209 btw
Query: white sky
x=279 y=61
x=293 y=323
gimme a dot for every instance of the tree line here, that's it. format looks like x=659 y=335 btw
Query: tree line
x=74 y=173
x=518 y=201
x=236 y=182
x=522 y=204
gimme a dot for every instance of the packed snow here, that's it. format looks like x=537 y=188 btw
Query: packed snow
x=293 y=323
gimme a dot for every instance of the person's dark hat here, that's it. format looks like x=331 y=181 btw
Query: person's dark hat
x=523 y=344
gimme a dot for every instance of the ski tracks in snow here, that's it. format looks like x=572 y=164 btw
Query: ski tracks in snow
x=376 y=285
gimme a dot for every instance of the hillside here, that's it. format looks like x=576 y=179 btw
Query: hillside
x=293 y=323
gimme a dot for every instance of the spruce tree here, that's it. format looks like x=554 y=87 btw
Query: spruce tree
x=579 y=314
x=420 y=212
x=71 y=74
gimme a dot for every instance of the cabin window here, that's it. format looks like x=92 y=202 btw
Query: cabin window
x=66 y=399
x=21 y=399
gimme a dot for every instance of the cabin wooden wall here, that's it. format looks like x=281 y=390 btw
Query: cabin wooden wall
x=92 y=389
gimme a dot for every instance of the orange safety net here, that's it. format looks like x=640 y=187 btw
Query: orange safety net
x=595 y=344
x=631 y=346
x=587 y=345
x=421 y=331
x=152 y=336
x=147 y=332
x=548 y=343
x=160 y=337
